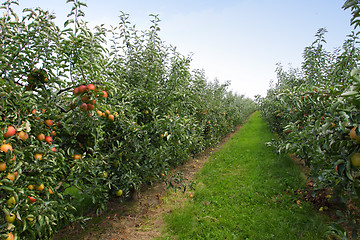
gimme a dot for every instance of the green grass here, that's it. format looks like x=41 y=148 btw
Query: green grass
x=246 y=192
x=82 y=201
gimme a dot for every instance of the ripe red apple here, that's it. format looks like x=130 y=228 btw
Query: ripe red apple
x=76 y=91
x=40 y=137
x=90 y=87
x=38 y=156
x=82 y=88
x=48 y=139
x=10 y=132
x=111 y=117
x=83 y=107
x=2 y=166
x=32 y=199
x=49 y=122
x=6 y=147
x=23 y=135
x=99 y=113
x=105 y=94
x=90 y=107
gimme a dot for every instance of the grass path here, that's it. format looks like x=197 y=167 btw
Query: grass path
x=243 y=191
x=246 y=192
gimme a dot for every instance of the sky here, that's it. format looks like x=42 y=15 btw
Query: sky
x=232 y=40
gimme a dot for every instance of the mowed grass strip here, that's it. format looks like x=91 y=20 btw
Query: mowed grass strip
x=245 y=191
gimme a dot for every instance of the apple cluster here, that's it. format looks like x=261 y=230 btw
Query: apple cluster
x=107 y=114
x=88 y=95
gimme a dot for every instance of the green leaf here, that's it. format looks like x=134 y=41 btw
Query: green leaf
x=349 y=4
x=349 y=93
x=7 y=188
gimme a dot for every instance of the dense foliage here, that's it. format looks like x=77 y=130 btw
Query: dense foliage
x=87 y=114
x=315 y=112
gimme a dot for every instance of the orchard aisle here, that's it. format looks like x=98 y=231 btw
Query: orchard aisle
x=243 y=191
x=142 y=216
x=247 y=192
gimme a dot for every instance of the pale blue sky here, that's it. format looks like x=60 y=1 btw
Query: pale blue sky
x=233 y=40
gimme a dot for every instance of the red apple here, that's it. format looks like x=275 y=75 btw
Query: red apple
x=23 y=135
x=49 y=122
x=90 y=107
x=105 y=94
x=83 y=107
x=10 y=132
x=32 y=199
x=76 y=91
x=90 y=87
x=48 y=139
x=82 y=89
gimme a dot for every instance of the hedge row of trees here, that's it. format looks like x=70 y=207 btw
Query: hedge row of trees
x=315 y=112
x=90 y=114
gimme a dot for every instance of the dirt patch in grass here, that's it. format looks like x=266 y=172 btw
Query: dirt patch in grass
x=301 y=163
x=142 y=216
